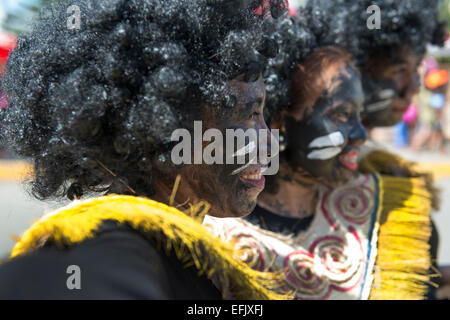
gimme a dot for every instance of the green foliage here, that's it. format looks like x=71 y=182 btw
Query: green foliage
x=19 y=19
x=444 y=12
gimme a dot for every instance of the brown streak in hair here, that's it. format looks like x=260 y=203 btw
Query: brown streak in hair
x=316 y=74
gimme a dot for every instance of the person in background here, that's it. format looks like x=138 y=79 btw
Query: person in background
x=333 y=230
x=388 y=58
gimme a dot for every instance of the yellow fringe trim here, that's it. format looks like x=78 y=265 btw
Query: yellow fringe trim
x=383 y=162
x=403 y=252
x=171 y=228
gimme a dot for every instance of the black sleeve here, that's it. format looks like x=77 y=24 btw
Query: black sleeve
x=115 y=265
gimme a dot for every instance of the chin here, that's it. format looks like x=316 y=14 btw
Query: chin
x=245 y=206
x=238 y=206
x=244 y=209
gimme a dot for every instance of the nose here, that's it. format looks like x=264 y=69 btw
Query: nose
x=413 y=85
x=358 y=134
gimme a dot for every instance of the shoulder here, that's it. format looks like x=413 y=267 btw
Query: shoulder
x=116 y=264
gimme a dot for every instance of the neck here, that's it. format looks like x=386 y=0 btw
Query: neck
x=174 y=194
x=296 y=194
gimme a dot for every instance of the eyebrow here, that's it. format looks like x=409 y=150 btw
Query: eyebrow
x=339 y=103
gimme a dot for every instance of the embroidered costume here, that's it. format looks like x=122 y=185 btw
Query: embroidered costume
x=368 y=239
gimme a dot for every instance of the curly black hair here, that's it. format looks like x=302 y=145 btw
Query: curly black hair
x=296 y=37
x=412 y=22
x=91 y=108
x=343 y=23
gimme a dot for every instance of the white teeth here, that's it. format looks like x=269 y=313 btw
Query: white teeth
x=252 y=177
x=257 y=176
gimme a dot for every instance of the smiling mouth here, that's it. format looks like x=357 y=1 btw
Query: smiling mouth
x=253 y=177
x=350 y=160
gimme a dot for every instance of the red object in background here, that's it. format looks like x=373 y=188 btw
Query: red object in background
x=265 y=6
x=436 y=78
x=8 y=43
x=410 y=116
x=293 y=8
x=3 y=101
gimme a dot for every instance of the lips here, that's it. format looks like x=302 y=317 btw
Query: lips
x=253 y=176
x=401 y=107
x=350 y=160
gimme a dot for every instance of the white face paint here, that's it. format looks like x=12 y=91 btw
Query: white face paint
x=331 y=145
x=239 y=170
x=248 y=149
x=378 y=106
x=245 y=150
x=334 y=139
x=386 y=96
x=324 y=154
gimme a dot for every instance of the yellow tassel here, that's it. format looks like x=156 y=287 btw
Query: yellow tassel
x=386 y=163
x=403 y=254
x=171 y=228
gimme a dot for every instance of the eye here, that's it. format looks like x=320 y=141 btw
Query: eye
x=400 y=70
x=254 y=115
x=342 y=114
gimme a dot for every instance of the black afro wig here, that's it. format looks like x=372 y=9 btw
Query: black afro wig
x=92 y=107
x=343 y=23
x=412 y=22
x=296 y=38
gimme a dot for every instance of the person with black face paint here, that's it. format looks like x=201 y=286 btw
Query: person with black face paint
x=388 y=59
x=331 y=230
x=95 y=114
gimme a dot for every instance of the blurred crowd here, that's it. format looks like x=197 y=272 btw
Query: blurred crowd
x=425 y=125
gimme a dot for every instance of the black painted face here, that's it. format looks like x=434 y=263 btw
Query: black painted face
x=389 y=86
x=325 y=142
x=232 y=190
